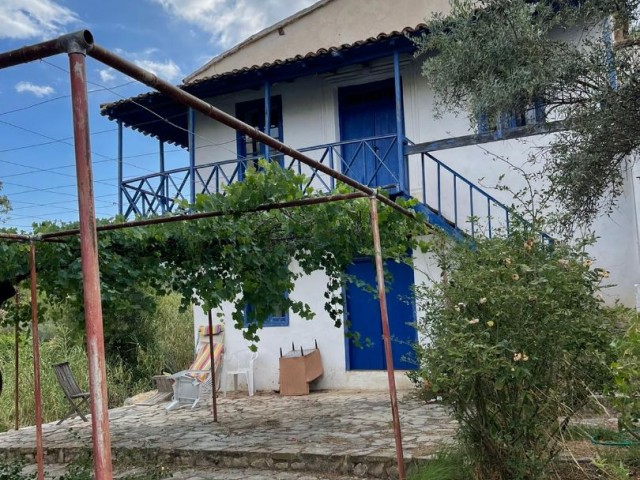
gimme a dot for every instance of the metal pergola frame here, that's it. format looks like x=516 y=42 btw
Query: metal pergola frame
x=77 y=46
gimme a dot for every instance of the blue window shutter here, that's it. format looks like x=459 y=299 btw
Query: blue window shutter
x=272 y=321
x=483 y=123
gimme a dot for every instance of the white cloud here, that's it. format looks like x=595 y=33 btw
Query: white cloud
x=21 y=19
x=38 y=90
x=231 y=21
x=166 y=70
x=107 y=75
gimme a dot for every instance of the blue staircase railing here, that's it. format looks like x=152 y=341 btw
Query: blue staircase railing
x=454 y=203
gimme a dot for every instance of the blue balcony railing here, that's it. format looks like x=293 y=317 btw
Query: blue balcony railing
x=158 y=193
x=447 y=198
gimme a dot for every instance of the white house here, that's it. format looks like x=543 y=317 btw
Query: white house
x=338 y=80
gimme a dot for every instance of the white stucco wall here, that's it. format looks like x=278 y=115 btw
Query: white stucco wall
x=331 y=339
x=310 y=117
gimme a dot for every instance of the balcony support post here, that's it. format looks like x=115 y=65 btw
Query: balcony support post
x=120 y=157
x=402 y=164
x=191 y=122
x=163 y=180
x=267 y=117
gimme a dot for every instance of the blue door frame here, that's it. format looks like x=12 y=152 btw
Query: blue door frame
x=362 y=311
x=255 y=114
x=367 y=111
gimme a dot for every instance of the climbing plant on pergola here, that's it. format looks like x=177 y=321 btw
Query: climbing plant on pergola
x=403 y=224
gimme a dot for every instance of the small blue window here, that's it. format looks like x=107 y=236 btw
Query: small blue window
x=534 y=115
x=279 y=318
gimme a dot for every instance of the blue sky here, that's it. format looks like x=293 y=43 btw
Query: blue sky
x=170 y=37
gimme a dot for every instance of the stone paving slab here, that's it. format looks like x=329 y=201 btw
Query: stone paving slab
x=332 y=432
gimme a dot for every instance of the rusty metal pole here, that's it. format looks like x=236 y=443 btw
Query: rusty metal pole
x=214 y=403
x=36 y=361
x=90 y=269
x=17 y=361
x=382 y=296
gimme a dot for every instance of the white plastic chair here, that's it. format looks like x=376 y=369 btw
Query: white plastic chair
x=239 y=363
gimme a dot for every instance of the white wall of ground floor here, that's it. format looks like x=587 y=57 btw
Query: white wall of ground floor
x=331 y=339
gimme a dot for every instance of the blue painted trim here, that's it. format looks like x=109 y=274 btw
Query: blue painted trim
x=435 y=219
x=271 y=321
x=402 y=159
x=163 y=179
x=473 y=220
x=480 y=138
x=345 y=326
x=607 y=33
x=120 y=174
x=192 y=155
x=455 y=201
x=267 y=116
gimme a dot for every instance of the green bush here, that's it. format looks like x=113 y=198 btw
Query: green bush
x=625 y=394
x=54 y=404
x=169 y=347
x=516 y=338
x=447 y=464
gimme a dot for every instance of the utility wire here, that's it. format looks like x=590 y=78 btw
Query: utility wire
x=60 y=97
x=155 y=114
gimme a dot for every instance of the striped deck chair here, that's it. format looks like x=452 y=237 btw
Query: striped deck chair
x=194 y=384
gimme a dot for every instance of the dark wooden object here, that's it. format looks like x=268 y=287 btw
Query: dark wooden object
x=77 y=398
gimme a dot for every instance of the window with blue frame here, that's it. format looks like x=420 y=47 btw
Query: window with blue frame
x=533 y=115
x=254 y=114
x=279 y=317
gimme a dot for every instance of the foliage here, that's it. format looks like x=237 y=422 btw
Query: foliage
x=626 y=392
x=240 y=258
x=517 y=338
x=13 y=471
x=5 y=206
x=170 y=348
x=448 y=463
x=80 y=469
x=497 y=56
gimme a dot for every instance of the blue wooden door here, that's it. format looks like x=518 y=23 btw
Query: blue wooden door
x=369 y=111
x=363 y=315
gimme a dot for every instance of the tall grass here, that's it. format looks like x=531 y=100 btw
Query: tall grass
x=170 y=348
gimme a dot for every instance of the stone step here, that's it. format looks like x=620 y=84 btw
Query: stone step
x=366 y=466
x=55 y=471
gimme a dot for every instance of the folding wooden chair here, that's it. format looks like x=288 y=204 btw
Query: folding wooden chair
x=77 y=398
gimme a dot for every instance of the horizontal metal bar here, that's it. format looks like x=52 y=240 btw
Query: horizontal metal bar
x=480 y=138
x=198 y=216
x=76 y=41
x=16 y=237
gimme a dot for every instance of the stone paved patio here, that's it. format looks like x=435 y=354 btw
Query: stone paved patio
x=348 y=433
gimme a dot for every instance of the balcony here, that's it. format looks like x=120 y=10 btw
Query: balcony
x=446 y=198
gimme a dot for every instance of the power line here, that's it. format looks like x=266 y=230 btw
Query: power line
x=155 y=114
x=60 y=97
x=36 y=169
x=30 y=190
x=65 y=142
